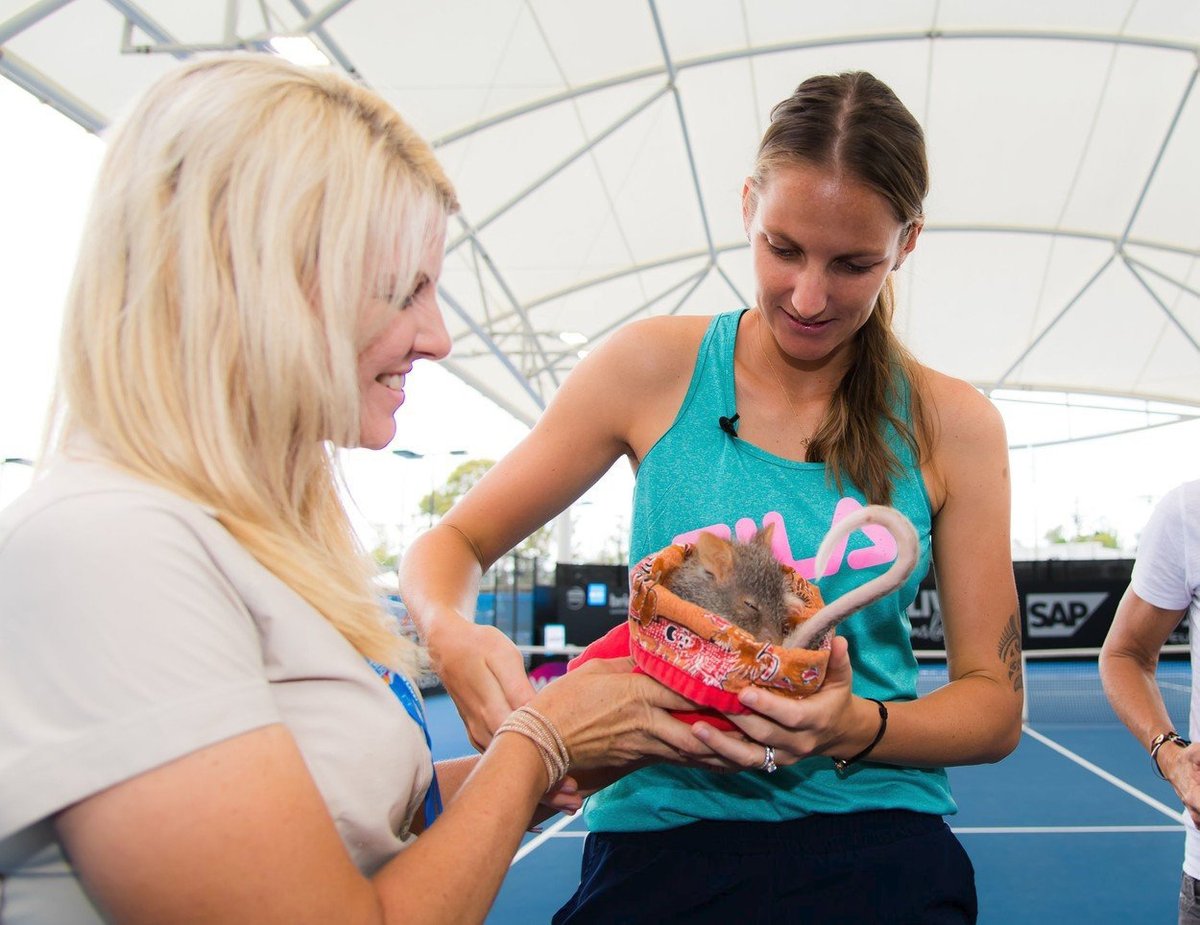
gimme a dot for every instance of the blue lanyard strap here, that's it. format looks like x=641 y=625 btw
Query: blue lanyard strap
x=407 y=695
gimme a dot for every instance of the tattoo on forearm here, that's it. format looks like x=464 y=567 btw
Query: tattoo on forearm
x=1010 y=651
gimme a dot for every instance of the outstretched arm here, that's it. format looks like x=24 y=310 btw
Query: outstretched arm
x=480 y=667
x=616 y=401
x=238 y=831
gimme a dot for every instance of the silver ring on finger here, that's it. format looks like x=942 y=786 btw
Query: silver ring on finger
x=768 y=762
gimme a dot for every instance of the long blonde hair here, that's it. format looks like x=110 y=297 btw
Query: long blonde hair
x=244 y=213
x=854 y=122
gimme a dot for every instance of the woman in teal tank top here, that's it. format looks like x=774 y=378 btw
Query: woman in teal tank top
x=793 y=413
x=698 y=477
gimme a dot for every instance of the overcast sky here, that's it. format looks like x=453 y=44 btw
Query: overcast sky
x=46 y=169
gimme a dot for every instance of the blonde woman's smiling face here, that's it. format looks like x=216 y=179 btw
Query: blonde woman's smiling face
x=402 y=335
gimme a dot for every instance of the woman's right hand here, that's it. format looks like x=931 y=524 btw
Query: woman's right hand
x=484 y=673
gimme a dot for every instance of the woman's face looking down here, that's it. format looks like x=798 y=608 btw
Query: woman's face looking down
x=823 y=244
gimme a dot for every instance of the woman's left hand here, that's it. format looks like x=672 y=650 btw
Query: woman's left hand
x=825 y=722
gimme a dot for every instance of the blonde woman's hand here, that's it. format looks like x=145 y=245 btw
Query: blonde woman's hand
x=614 y=720
x=484 y=673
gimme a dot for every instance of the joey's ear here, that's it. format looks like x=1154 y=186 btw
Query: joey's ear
x=763 y=536
x=715 y=554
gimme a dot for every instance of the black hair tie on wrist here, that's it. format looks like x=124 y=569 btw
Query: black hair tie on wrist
x=841 y=764
x=1159 y=741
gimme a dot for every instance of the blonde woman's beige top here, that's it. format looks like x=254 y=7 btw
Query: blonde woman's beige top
x=134 y=630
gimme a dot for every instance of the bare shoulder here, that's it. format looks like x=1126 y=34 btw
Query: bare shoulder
x=959 y=411
x=969 y=446
x=663 y=345
x=633 y=384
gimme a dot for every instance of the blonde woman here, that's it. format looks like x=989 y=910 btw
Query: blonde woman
x=205 y=717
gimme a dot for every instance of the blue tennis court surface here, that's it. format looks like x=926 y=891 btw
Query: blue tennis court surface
x=1073 y=827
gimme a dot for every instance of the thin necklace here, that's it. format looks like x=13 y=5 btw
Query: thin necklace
x=804 y=441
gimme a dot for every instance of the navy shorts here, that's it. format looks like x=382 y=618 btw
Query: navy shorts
x=888 y=866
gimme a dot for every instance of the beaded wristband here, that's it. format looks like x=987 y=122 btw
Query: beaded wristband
x=550 y=745
x=841 y=764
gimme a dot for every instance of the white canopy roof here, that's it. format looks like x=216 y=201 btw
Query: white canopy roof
x=599 y=151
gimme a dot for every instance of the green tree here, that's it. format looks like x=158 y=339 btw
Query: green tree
x=1106 y=538
x=386 y=559
x=458 y=483
x=463 y=479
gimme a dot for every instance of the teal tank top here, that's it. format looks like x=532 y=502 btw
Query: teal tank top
x=697 y=477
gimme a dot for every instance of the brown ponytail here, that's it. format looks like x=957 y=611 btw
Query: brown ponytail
x=854 y=122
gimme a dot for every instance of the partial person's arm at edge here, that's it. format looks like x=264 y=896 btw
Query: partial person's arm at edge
x=1128 y=663
x=1129 y=660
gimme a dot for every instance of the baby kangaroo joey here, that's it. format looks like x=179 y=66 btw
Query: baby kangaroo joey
x=745 y=584
x=742 y=582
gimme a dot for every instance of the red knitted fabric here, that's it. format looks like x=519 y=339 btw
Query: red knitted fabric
x=702 y=655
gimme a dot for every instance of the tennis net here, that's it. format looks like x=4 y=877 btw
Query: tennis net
x=1063 y=685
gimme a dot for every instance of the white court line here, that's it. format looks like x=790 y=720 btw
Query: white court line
x=535 y=843
x=1063 y=829
x=1174 y=814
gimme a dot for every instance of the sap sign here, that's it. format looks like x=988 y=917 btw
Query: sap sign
x=1063 y=604
x=1061 y=615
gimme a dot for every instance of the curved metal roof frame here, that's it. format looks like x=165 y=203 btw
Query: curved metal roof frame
x=1107 y=256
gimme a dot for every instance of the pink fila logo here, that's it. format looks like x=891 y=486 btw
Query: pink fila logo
x=881 y=551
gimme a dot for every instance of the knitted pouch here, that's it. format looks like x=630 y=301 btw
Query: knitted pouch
x=702 y=655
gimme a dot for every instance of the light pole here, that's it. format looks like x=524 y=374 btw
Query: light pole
x=413 y=454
